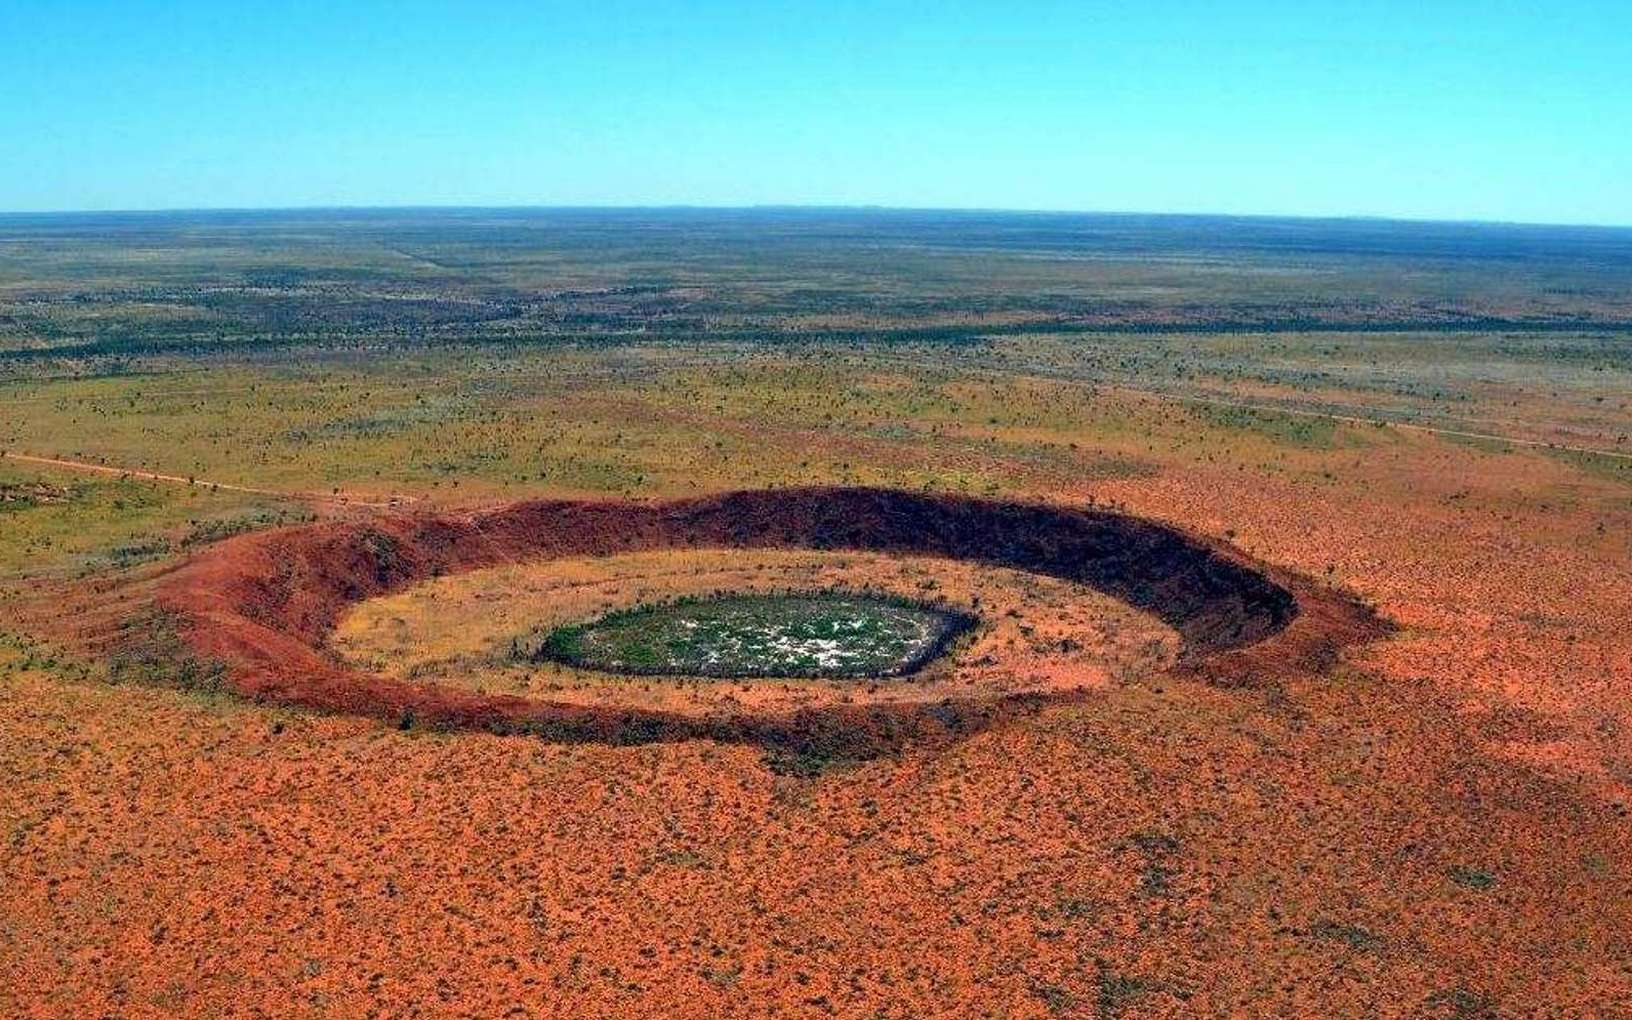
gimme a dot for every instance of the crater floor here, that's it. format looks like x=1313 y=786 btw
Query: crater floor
x=1034 y=632
x=837 y=634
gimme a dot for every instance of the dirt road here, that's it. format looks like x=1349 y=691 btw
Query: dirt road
x=155 y=476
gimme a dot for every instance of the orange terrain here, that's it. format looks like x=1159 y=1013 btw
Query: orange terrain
x=1353 y=774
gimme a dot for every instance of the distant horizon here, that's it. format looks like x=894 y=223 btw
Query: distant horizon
x=804 y=207
x=1451 y=112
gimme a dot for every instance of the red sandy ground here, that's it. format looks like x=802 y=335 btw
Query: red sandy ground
x=1290 y=847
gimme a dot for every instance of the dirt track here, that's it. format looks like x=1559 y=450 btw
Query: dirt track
x=155 y=476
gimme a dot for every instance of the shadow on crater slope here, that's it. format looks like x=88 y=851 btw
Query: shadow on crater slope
x=264 y=604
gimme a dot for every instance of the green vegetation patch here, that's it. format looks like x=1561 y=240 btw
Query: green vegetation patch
x=1609 y=465
x=1309 y=432
x=26 y=496
x=813 y=635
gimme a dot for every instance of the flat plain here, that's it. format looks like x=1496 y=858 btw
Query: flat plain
x=1429 y=420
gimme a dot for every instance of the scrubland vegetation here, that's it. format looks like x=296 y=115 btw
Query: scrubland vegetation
x=1432 y=418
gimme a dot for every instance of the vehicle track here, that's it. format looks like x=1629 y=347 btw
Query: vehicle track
x=338 y=498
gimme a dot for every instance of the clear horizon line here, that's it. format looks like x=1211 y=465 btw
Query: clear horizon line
x=811 y=206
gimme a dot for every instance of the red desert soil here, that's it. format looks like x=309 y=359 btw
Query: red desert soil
x=1431 y=824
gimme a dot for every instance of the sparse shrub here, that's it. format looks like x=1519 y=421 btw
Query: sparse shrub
x=150 y=651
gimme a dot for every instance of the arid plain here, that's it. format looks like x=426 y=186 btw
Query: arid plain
x=1419 y=431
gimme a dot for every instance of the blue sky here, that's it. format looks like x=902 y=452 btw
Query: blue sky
x=1489 y=110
